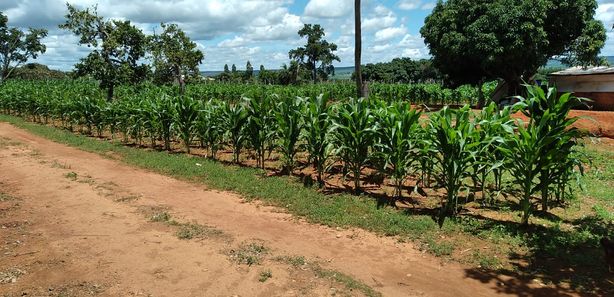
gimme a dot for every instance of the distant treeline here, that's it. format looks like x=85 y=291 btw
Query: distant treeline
x=402 y=70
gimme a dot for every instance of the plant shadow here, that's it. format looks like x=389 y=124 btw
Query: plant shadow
x=559 y=262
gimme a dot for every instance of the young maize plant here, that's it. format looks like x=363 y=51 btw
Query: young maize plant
x=493 y=125
x=186 y=115
x=542 y=146
x=453 y=136
x=163 y=111
x=261 y=124
x=353 y=134
x=234 y=119
x=317 y=125
x=210 y=126
x=398 y=142
x=289 y=116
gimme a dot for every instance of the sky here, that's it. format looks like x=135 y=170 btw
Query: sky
x=261 y=31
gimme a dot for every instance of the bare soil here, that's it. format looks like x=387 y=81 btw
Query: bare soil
x=77 y=224
x=599 y=123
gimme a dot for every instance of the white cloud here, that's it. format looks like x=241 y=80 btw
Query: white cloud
x=234 y=42
x=380 y=48
x=390 y=33
x=379 y=22
x=329 y=8
x=416 y=4
x=605 y=13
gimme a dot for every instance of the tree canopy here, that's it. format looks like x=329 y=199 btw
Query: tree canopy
x=316 y=50
x=473 y=40
x=401 y=70
x=17 y=46
x=174 y=55
x=118 y=48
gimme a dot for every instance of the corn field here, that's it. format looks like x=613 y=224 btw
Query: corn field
x=464 y=154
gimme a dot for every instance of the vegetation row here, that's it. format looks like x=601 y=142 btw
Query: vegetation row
x=462 y=152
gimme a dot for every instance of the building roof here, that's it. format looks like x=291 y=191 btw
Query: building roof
x=584 y=71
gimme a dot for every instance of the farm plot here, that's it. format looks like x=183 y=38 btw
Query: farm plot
x=479 y=188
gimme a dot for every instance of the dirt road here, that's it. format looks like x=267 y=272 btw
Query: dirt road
x=77 y=224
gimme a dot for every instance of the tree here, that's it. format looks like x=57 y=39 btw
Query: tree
x=226 y=68
x=234 y=69
x=401 y=70
x=174 y=55
x=316 y=50
x=119 y=46
x=584 y=51
x=249 y=71
x=17 y=46
x=358 y=50
x=474 y=40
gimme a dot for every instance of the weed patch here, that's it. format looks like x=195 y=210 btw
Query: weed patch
x=71 y=176
x=249 y=253
x=265 y=275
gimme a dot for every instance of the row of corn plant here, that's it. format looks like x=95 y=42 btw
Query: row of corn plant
x=461 y=151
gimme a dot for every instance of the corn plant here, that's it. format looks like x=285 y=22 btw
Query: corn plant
x=493 y=125
x=210 y=126
x=163 y=112
x=317 y=125
x=398 y=141
x=289 y=116
x=544 y=146
x=235 y=118
x=149 y=124
x=453 y=136
x=186 y=114
x=556 y=110
x=353 y=134
x=260 y=126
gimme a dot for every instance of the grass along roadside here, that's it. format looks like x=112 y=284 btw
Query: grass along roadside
x=482 y=242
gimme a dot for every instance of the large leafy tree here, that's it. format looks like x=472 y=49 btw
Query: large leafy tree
x=17 y=46
x=174 y=55
x=473 y=40
x=118 y=48
x=317 y=50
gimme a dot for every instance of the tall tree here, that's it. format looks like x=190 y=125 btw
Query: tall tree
x=174 y=55
x=473 y=40
x=234 y=69
x=17 y=46
x=358 y=49
x=226 y=68
x=118 y=47
x=316 y=50
x=249 y=70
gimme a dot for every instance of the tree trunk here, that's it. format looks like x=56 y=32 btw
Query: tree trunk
x=481 y=99
x=180 y=79
x=358 y=50
x=314 y=74
x=110 y=90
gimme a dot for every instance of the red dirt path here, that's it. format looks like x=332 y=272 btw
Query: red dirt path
x=77 y=236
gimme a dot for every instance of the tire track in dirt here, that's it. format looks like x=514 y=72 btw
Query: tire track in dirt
x=390 y=267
